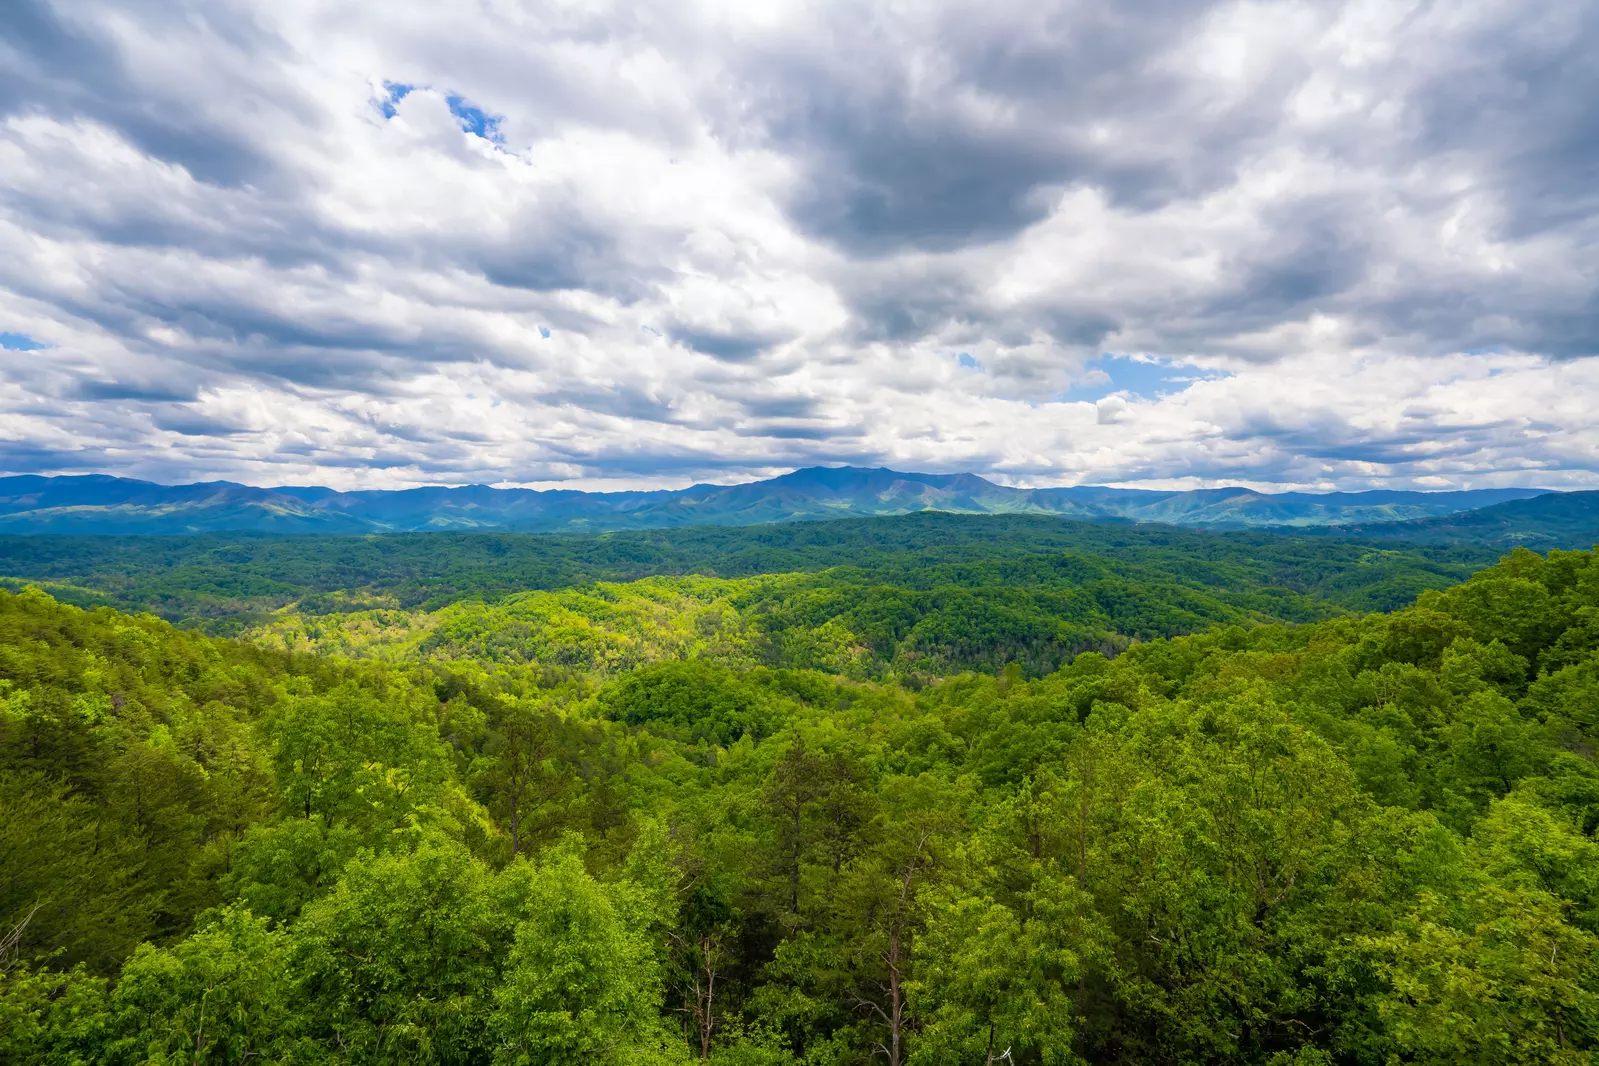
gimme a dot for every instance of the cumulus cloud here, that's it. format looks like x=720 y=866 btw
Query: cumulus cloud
x=1160 y=241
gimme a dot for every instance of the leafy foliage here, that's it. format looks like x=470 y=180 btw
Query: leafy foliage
x=1356 y=839
x=898 y=619
x=224 y=582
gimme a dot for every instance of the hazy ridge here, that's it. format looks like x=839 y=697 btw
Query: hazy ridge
x=101 y=504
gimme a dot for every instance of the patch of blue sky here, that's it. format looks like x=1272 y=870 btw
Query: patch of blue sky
x=544 y=331
x=968 y=362
x=475 y=120
x=472 y=119
x=20 y=342
x=1139 y=376
x=397 y=91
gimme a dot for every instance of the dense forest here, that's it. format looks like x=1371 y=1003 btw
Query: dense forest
x=1127 y=801
x=225 y=583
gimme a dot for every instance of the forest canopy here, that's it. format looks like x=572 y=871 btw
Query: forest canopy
x=226 y=582
x=763 y=818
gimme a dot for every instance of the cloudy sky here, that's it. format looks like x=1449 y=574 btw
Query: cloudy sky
x=1096 y=241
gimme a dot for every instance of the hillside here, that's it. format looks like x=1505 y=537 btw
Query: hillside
x=97 y=504
x=223 y=581
x=1365 y=839
x=1567 y=520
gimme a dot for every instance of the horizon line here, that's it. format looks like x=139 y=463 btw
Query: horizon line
x=556 y=486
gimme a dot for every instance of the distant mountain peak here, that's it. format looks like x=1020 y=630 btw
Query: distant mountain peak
x=841 y=476
x=103 y=504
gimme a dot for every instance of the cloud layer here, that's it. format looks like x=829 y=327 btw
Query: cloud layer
x=1153 y=241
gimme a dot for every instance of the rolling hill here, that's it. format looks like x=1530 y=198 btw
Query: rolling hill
x=1568 y=520
x=100 y=504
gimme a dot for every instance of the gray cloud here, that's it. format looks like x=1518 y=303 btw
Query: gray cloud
x=241 y=261
x=897 y=157
x=185 y=420
x=23 y=457
x=74 y=68
x=729 y=345
x=93 y=390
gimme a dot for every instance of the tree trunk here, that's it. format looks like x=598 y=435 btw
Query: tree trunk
x=896 y=1002
x=1082 y=887
x=707 y=1018
x=794 y=861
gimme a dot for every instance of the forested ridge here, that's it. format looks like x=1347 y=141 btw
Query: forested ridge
x=697 y=823
x=225 y=583
x=98 y=504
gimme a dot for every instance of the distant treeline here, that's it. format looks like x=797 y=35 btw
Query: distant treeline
x=228 y=582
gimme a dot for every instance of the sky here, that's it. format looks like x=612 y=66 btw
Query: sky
x=1142 y=242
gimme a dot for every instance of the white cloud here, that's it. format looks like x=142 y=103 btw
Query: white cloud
x=715 y=240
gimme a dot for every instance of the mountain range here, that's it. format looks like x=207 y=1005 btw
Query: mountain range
x=102 y=504
x=1554 y=520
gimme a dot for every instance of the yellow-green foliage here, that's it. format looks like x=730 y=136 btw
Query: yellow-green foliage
x=377 y=634
x=1365 y=840
x=606 y=627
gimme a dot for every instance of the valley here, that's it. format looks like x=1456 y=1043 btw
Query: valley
x=782 y=794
